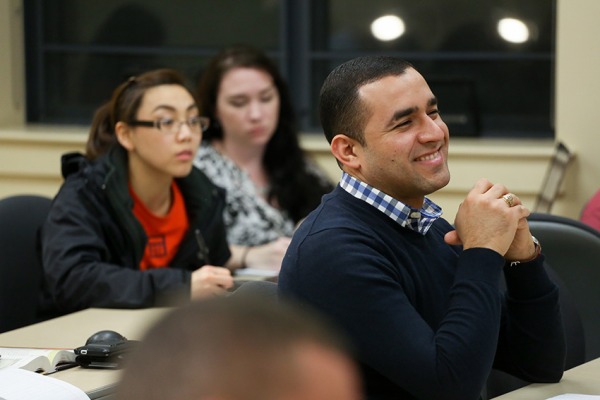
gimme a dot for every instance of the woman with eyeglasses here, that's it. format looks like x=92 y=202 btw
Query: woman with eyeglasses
x=251 y=149
x=134 y=223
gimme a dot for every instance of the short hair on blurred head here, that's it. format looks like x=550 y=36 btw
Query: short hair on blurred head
x=245 y=348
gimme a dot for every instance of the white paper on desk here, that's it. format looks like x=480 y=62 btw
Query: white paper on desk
x=571 y=396
x=256 y=272
x=19 y=384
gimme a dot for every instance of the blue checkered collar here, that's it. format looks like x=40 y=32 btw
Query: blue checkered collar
x=417 y=220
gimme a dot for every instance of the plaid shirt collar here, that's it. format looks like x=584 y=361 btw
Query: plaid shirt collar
x=417 y=220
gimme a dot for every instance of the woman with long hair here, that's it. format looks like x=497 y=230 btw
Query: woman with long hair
x=251 y=149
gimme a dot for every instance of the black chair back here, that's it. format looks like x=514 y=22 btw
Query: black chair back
x=21 y=273
x=572 y=249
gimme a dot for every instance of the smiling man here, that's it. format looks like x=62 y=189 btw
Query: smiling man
x=420 y=298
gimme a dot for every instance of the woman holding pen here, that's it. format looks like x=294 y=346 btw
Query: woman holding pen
x=135 y=224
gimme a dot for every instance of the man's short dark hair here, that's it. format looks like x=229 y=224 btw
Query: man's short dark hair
x=340 y=108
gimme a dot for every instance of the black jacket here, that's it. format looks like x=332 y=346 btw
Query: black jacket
x=92 y=243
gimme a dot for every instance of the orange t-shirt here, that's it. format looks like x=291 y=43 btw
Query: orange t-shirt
x=164 y=233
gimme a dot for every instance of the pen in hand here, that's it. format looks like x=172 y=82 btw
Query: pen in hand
x=203 y=251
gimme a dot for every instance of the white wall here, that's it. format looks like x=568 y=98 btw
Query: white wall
x=577 y=91
x=12 y=72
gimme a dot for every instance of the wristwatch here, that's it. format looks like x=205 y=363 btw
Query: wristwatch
x=538 y=251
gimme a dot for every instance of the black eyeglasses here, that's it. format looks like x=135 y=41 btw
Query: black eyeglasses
x=170 y=126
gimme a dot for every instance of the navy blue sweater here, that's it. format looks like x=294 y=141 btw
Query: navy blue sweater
x=427 y=320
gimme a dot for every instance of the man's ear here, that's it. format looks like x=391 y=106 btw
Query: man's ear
x=346 y=150
x=123 y=133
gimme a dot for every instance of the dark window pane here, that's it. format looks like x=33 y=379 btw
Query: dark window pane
x=500 y=96
x=75 y=85
x=487 y=85
x=435 y=25
x=177 y=23
x=78 y=51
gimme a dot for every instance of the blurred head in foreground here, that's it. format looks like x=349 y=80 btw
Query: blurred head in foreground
x=234 y=349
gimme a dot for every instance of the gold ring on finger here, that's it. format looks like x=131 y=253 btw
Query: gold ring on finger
x=509 y=199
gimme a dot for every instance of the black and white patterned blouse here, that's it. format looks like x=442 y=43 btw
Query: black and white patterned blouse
x=250 y=220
